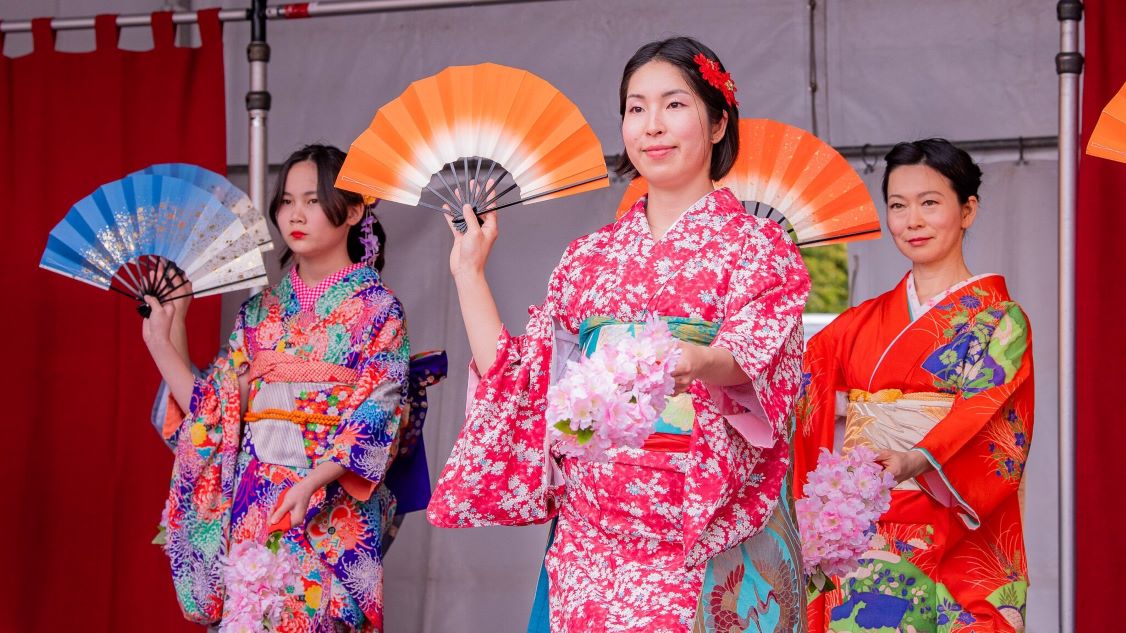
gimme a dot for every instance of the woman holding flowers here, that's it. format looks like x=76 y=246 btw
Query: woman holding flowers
x=936 y=377
x=692 y=531
x=278 y=500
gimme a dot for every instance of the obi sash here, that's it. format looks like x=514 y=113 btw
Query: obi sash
x=278 y=433
x=892 y=420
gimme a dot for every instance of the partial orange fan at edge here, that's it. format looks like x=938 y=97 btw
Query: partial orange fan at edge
x=1108 y=139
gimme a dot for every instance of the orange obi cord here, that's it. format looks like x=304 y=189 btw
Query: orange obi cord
x=297 y=417
x=667 y=443
x=352 y=483
x=277 y=366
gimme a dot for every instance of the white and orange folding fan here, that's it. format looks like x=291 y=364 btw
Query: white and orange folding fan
x=796 y=179
x=634 y=190
x=1108 y=139
x=473 y=124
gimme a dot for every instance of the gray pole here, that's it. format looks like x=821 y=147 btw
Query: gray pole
x=280 y=12
x=1069 y=65
x=257 y=104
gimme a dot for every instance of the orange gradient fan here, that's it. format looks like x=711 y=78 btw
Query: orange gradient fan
x=453 y=133
x=634 y=190
x=1108 y=139
x=798 y=180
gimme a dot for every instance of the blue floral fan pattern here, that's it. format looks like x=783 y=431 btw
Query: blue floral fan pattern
x=229 y=195
x=133 y=235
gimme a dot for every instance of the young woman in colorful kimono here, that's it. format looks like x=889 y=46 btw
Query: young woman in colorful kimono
x=693 y=531
x=936 y=375
x=288 y=436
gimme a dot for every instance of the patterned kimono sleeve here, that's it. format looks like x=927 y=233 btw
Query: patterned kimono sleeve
x=737 y=463
x=197 y=512
x=979 y=449
x=815 y=411
x=499 y=472
x=362 y=441
x=762 y=329
x=167 y=416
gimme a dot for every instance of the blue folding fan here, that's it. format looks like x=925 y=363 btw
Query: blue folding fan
x=133 y=235
x=229 y=195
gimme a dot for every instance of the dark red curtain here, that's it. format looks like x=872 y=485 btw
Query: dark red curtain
x=1100 y=343
x=84 y=474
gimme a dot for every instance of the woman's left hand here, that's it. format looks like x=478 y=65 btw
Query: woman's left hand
x=295 y=503
x=692 y=359
x=903 y=465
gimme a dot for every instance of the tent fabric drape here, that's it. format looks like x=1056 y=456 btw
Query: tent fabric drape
x=1100 y=299
x=85 y=475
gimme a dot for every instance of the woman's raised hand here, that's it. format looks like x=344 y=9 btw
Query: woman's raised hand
x=170 y=325
x=471 y=249
x=157 y=327
x=182 y=293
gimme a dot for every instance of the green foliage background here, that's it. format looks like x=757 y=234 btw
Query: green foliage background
x=828 y=273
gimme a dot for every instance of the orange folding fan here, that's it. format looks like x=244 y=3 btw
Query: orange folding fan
x=797 y=179
x=468 y=125
x=1108 y=140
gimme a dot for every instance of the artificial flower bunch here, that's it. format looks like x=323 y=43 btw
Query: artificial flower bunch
x=613 y=397
x=844 y=497
x=258 y=578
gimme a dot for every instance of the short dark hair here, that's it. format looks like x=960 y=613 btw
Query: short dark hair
x=334 y=202
x=680 y=51
x=942 y=156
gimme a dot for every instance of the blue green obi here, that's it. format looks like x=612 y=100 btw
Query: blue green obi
x=679 y=414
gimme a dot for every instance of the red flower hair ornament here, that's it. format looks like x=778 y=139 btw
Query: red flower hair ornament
x=717 y=78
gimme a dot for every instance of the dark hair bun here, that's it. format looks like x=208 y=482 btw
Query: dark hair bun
x=942 y=156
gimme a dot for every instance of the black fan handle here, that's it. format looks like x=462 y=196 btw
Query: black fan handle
x=144 y=310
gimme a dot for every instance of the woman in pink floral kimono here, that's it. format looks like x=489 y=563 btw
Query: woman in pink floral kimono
x=686 y=533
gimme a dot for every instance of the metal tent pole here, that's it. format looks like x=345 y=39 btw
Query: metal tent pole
x=1069 y=65
x=280 y=12
x=876 y=152
x=257 y=104
x=134 y=19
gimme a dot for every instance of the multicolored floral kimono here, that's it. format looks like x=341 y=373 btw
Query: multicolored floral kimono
x=953 y=380
x=327 y=371
x=687 y=532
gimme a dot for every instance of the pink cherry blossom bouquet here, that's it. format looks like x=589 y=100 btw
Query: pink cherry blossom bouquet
x=258 y=579
x=612 y=397
x=844 y=497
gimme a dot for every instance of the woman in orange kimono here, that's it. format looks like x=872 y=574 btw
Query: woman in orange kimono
x=936 y=375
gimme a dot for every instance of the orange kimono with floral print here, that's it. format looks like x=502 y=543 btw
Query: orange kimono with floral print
x=949 y=554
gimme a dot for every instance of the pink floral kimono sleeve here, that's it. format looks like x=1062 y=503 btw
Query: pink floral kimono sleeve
x=500 y=471
x=762 y=328
x=740 y=458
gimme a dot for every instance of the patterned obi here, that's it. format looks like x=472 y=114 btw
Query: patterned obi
x=296 y=408
x=679 y=414
x=892 y=420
